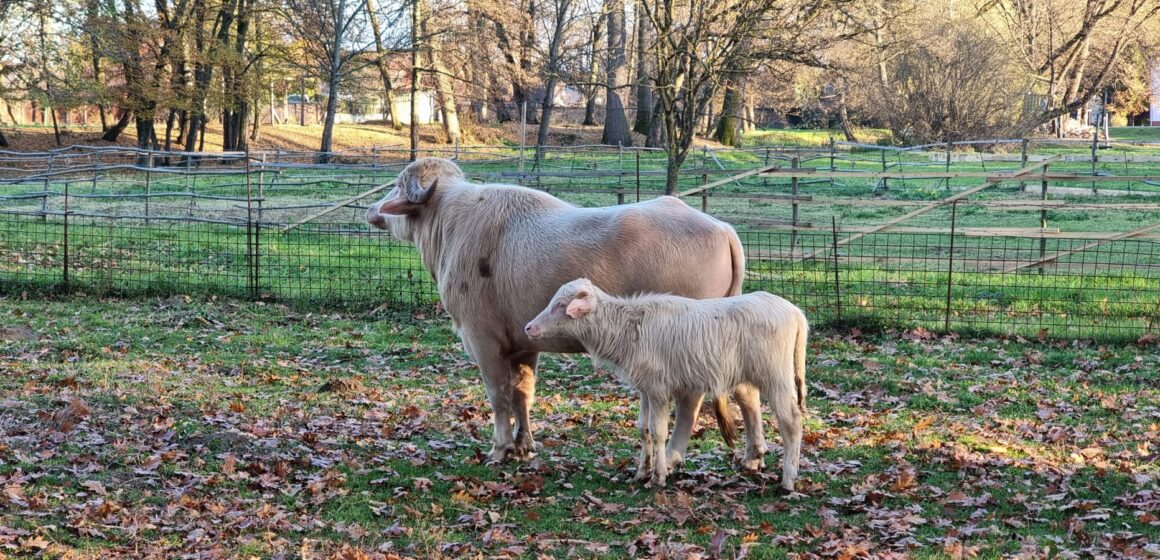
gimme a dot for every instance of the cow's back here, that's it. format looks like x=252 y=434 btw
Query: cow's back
x=660 y=246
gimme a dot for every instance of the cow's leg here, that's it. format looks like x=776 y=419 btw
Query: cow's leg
x=658 y=429
x=688 y=407
x=644 y=462
x=497 y=379
x=748 y=399
x=784 y=403
x=523 y=370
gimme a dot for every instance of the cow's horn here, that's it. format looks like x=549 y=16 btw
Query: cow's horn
x=417 y=194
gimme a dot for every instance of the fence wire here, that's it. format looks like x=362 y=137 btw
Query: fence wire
x=133 y=223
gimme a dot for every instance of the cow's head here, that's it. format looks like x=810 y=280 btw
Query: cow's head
x=572 y=303
x=413 y=192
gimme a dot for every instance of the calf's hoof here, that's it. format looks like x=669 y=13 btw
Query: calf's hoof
x=641 y=475
x=656 y=481
x=500 y=454
x=676 y=459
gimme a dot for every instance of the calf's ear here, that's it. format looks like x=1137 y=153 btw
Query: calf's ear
x=578 y=308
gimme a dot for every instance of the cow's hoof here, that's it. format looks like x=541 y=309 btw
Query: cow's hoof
x=501 y=454
x=641 y=475
x=524 y=448
x=676 y=459
x=656 y=482
x=752 y=465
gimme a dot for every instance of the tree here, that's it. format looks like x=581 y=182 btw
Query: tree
x=616 y=130
x=1072 y=47
x=443 y=92
x=644 y=96
x=333 y=35
x=381 y=63
x=591 y=86
x=560 y=22
x=962 y=86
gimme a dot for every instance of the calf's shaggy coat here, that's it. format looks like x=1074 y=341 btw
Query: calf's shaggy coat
x=666 y=345
x=498 y=253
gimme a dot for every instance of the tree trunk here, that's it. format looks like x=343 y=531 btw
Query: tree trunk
x=236 y=113
x=844 y=118
x=644 y=97
x=95 y=54
x=415 y=21
x=381 y=62
x=331 y=108
x=592 y=89
x=728 y=126
x=115 y=131
x=553 y=76
x=616 y=130
x=443 y=92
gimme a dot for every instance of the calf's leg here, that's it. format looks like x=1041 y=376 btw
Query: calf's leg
x=784 y=403
x=644 y=462
x=688 y=407
x=658 y=431
x=748 y=400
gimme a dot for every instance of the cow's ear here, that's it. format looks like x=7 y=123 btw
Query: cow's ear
x=397 y=206
x=578 y=308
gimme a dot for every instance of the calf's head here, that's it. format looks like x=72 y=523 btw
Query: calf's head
x=414 y=189
x=571 y=305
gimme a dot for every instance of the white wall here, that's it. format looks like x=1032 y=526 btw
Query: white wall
x=1155 y=110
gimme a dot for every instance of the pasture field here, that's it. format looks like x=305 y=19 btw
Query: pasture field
x=191 y=426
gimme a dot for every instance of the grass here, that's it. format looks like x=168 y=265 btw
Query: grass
x=264 y=430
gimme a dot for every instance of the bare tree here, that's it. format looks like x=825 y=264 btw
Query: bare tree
x=560 y=21
x=1072 y=47
x=381 y=62
x=644 y=95
x=701 y=43
x=433 y=49
x=591 y=86
x=332 y=32
x=615 y=121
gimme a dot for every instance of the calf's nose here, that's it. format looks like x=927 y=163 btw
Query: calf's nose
x=532 y=330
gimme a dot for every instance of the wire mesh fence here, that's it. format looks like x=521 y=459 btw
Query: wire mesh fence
x=1023 y=255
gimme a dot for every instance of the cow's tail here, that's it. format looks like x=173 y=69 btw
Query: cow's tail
x=737 y=254
x=725 y=420
x=799 y=364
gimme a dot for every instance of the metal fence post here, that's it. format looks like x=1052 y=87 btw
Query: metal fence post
x=1043 y=218
x=251 y=234
x=705 y=193
x=947 y=180
x=64 y=270
x=794 y=164
x=950 y=267
x=148 y=186
x=1095 y=158
x=1022 y=163
x=837 y=280
x=638 y=175
x=885 y=185
x=833 y=154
